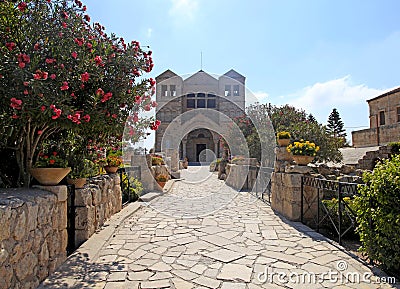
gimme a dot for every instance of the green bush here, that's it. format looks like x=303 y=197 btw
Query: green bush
x=395 y=147
x=130 y=190
x=378 y=213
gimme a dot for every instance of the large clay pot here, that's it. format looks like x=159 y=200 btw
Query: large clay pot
x=302 y=160
x=161 y=184
x=284 y=142
x=111 y=170
x=79 y=183
x=49 y=176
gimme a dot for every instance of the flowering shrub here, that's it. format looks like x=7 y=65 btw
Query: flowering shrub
x=59 y=72
x=51 y=160
x=303 y=148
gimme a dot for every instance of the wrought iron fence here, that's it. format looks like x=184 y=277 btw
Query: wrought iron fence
x=127 y=176
x=71 y=219
x=262 y=186
x=329 y=204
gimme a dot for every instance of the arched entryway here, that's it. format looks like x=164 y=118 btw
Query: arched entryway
x=200 y=145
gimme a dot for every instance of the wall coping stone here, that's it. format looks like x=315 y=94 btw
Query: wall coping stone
x=60 y=191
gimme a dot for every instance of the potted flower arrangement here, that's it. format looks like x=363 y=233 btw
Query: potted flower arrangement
x=157 y=160
x=161 y=180
x=283 y=138
x=303 y=151
x=50 y=168
x=113 y=163
x=81 y=172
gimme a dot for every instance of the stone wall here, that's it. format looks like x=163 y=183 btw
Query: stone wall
x=236 y=174
x=286 y=185
x=368 y=162
x=286 y=194
x=369 y=137
x=95 y=203
x=33 y=235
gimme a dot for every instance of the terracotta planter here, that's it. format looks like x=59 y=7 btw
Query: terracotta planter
x=49 y=176
x=110 y=169
x=79 y=183
x=302 y=160
x=284 y=142
x=161 y=184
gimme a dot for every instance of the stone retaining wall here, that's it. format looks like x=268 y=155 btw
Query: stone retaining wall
x=33 y=235
x=286 y=196
x=95 y=203
x=236 y=174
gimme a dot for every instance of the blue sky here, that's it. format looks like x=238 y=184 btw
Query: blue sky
x=314 y=54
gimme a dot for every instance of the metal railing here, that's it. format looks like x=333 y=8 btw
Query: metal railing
x=262 y=186
x=71 y=219
x=330 y=206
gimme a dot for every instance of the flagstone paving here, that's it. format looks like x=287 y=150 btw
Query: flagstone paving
x=206 y=235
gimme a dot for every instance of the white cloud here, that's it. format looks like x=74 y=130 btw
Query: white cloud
x=348 y=98
x=149 y=32
x=332 y=93
x=261 y=96
x=183 y=10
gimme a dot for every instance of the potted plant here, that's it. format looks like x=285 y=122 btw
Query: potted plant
x=81 y=172
x=50 y=168
x=161 y=180
x=113 y=163
x=303 y=151
x=283 y=138
x=157 y=160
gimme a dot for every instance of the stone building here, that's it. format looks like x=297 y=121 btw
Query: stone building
x=194 y=108
x=384 y=119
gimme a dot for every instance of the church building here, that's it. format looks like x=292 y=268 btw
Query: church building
x=216 y=98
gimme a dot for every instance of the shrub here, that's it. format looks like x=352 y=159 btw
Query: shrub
x=332 y=205
x=132 y=188
x=395 y=147
x=378 y=213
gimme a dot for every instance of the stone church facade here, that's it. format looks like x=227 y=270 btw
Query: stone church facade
x=197 y=105
x=384 y=118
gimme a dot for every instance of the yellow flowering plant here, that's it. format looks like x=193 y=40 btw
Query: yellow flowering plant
x=114 y=161
x=283 y=135
x=303 y=148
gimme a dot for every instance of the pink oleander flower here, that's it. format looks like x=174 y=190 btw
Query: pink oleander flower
x=99 y=92
x=16 y=103
x=74 y=54
x=22 y=6
x=10 y=45
x=85 y=77
x=64 y=86
x=106 y=97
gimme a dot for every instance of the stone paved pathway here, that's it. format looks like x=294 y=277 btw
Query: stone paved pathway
x=205 y=235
